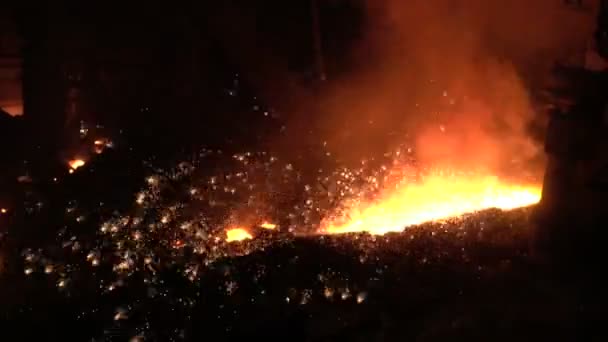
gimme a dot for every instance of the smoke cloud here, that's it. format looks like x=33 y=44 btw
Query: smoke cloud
x=450 y=76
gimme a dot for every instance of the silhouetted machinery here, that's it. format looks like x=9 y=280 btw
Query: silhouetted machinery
x=574 y=203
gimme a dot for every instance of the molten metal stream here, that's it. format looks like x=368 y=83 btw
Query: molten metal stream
x=434 y=198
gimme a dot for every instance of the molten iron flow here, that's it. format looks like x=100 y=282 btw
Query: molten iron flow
x=433 y=198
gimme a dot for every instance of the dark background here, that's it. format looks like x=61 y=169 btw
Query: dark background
x=126 y=63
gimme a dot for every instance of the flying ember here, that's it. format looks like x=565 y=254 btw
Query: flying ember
x=237 y=234
x=432 y=198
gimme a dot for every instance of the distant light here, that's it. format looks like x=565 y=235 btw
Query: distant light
x=141 y=197
x=101 y=144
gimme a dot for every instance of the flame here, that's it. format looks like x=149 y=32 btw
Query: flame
x=434 y=198
x=76 y=163
x=237 y=234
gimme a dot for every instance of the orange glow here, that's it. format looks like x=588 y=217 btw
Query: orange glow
x=268 y=226
x=76 y=163
x=3 y=211
x=434 y=198
x=237 y=234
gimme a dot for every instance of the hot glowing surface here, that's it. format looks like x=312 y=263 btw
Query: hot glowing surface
x=237 y=234
x=433 y=198
x=76 y=163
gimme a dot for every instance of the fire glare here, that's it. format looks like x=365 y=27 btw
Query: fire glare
x=433 y=198
x=237 y=234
